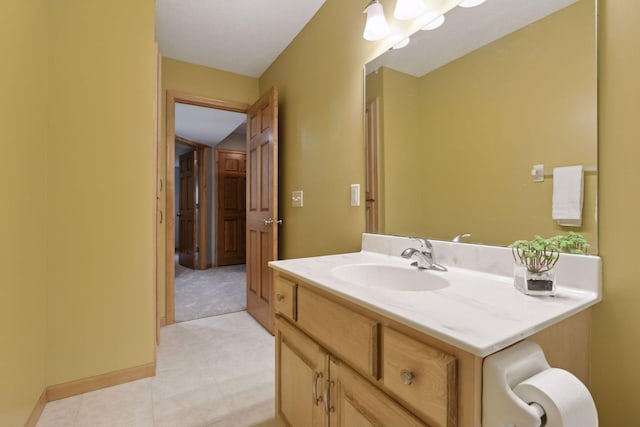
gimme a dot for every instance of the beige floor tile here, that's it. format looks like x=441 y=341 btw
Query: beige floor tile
x=194 y=408
x=180 y=356
x=123 y=405
x=259 y=414
x=242 y=393
x=217 y=372
x=60 y=413
x=177 y=381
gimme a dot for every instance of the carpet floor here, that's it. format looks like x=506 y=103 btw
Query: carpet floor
x=211 y=292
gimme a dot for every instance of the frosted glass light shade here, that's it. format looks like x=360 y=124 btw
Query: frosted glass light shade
x=470 y=3
x=409 y=9
x=376 y=27
x=435 y=23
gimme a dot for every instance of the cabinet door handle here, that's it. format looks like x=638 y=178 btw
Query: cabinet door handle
x=314 y=387
x=327 y=409
x=279 y=297
x=406 y=377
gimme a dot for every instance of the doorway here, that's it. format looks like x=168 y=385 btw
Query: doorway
x=262 y=220
x=197 y=130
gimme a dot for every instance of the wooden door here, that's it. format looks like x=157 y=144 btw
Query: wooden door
x=357 y=403
x=262 y=205
x=302 y=371
x=230 y=207
x=187 y=211
x=372 y=134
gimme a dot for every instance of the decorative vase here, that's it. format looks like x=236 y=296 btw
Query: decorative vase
x=541 y=283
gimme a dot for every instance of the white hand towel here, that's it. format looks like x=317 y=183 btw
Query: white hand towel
x=568 y=188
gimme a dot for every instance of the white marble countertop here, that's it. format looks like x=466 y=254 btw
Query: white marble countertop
x=479 y=312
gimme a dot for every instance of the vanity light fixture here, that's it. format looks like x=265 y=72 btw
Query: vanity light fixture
x=402 y=43
x=470 y=3
x=409 y=9
x=434 y=23
x=376 y=27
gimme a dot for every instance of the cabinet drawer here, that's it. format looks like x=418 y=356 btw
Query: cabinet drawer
x=349 y=335
x=422 y=376
x=285 y=301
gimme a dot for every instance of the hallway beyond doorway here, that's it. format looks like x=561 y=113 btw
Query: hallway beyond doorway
x=211 y=292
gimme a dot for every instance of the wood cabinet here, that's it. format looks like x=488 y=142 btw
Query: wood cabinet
x=316 y=389
x=302 y=368
x=357 y=403
x=341 y=364
x=329 y=367
x=421 y=375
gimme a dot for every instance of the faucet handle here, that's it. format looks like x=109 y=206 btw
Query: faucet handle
x=459 y=237
x=425 y=245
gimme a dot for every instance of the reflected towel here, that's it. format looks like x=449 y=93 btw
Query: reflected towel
x=568 y=191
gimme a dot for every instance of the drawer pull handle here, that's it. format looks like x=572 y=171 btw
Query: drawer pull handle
x=279 y=297
x=328 y=409
x=406 y=377
x=314 y=388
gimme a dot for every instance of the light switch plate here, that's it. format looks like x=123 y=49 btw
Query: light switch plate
x=355 y=194
x=296 y=199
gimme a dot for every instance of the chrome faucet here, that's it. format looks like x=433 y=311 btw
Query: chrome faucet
x=459 y=237
x=424 y=255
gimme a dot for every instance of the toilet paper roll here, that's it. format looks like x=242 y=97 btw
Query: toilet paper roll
x=566 y=401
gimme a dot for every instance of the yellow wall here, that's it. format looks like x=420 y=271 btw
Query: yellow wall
x=616 y=339
x=320 y=80
x=531 y=97
x=101 y=178
x=195 y=80
x=100 y=266
x=23 y=188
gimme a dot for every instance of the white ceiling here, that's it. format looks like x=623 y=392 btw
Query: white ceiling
x=240 y=36
x=246 y=36
x=465 y=30
x=206 y=125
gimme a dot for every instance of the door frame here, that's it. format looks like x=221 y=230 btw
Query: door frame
x=172 y=98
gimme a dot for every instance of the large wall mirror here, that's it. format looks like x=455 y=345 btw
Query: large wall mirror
x=456 y=120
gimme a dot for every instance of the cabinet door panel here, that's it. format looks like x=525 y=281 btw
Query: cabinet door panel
x=357 y=403
x=300 y=364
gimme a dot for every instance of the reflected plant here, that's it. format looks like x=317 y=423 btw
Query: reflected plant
x=573 y=243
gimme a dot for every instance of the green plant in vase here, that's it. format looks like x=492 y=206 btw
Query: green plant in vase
x=534 y=273
x=535 y=261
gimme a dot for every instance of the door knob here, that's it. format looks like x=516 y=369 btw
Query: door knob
x=271 y=221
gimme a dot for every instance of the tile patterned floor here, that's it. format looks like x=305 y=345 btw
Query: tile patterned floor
x=212 y=372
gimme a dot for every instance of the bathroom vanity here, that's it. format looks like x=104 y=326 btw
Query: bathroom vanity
x=365 y=339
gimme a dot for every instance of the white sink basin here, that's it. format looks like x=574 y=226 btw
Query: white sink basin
x=391 y=277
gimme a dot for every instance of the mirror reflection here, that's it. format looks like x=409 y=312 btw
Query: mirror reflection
x=457 y=119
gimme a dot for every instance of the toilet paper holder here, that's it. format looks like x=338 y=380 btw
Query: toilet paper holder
x=502 y=372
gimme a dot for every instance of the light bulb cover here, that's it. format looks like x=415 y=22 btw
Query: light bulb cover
x=470 y=3
x=434 y=23
x=376 y=27
x=409 y=9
